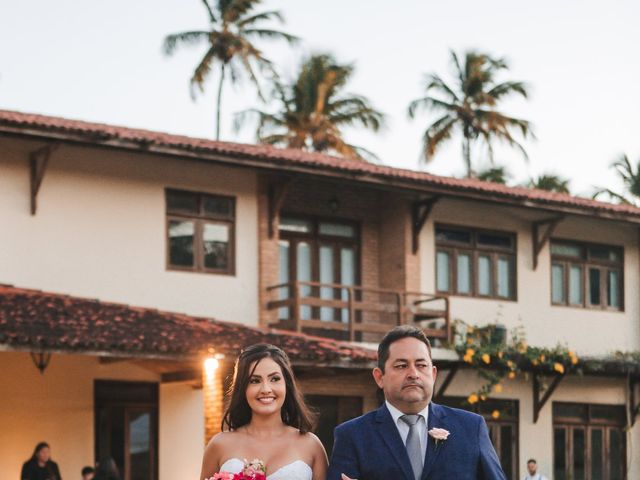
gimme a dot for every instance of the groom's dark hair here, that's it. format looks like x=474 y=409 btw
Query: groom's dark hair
x=398 y=333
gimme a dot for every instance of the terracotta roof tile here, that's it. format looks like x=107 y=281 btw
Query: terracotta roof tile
x=97 y=133
x=32 y=319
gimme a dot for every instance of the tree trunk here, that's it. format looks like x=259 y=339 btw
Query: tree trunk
x=219 y=102
x=466 y=154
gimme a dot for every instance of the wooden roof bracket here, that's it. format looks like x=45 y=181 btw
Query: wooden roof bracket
x=633 y=402
x=539 y=402
x=420 y=211
x=540 y=242
x=447 y=381
x=277 y=193
x=38 y=161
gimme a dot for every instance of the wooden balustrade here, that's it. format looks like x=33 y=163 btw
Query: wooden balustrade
x=356 y=313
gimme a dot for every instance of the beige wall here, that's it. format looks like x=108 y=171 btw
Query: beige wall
x=100 y=230
x=56 y=407
x=545 y=325
x=181 y=436
x=536 y=439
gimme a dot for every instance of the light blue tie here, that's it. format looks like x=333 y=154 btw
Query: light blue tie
x=413 y=444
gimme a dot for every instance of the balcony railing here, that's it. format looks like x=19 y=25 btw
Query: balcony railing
x=356 y=313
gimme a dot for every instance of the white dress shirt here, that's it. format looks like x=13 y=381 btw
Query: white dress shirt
x=403 y=428
x=537 y=476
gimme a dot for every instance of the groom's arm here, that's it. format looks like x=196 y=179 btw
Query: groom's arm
x=489 y=465
x=343 y=456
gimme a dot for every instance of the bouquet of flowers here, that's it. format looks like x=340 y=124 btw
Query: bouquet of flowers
x=253 y=470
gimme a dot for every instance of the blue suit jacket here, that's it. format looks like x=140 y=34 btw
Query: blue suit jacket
x=370 y=448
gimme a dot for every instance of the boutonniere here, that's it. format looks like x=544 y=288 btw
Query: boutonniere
x=439 y=435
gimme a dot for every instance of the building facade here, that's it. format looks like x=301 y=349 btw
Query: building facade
x=298 y=246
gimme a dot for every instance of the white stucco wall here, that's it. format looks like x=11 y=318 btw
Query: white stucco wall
x=536 y=439
x=100 y=230
x=545 y=325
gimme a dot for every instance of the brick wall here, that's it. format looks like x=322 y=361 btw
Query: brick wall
x=384 y=220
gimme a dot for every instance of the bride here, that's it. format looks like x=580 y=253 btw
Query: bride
x=266 y=419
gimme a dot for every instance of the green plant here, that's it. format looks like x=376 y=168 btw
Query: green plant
x=498 y=359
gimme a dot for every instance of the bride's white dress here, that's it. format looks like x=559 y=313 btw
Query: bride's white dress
x=297 y=470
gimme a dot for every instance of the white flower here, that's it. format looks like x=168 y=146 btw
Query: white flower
x=439 y=435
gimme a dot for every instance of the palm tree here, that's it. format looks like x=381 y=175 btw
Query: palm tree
x=630 y=177
x=470 y=106
x=550 y=183
x=494 y=174
x=233 y=28
x=313 y=111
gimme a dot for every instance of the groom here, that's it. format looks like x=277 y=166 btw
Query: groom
x=409 y=437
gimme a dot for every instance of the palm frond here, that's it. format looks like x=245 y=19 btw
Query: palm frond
x=269 y=15
x=202 y=71
x=210 y=12
x=270 y=34
x=172 y=41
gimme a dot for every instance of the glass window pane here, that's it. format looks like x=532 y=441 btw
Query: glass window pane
x=303 y=274
x=597 y=454
x=463 y=273
x=283 y=275
x=609 y=413
x=574 y=411
x=182 y=202
x=215 y=241
x=326 y=276
x=347 y=275
x=594 y=286
x=484 y=275
x=140 y=445
x=218 y=206
x=616 y=454
x=504 y=278
x=494 y=240
x=566 y=250
x=295 y=225
x=337 y=229
x=559 y=454
x=449 y=235
x=578 y=454
x=613 y=289
x=575 y=285
x=442 y=271
x=557 y=283
x=181 y=243
x=507 y=442
x=604 y=253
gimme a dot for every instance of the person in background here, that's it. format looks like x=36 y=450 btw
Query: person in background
x=88 y=473
x=532 y=468
x=40 y=466
x=107 y=470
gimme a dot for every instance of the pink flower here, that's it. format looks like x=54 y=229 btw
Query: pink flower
x=439 y=435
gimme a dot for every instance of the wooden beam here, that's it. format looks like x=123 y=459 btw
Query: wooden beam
x=38 y=161
x=181 y=376
x=420 y=211
x=633 y=400
x=447 y=381
x=277 y=194
x=539 y=402
x=539 y=243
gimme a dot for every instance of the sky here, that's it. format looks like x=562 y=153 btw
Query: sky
x=102 y=61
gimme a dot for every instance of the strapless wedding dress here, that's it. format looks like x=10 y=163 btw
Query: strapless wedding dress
x=297 y=470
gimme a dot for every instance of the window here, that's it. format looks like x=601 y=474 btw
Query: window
x=585 y=275
x=317 y=250
x=502 y=421
x=200 y=232
x=588 y=442
x=475 y=263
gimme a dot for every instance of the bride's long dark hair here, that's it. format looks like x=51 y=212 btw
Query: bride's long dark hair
x=294 y=412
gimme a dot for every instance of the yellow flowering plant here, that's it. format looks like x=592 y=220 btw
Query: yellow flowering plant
x=498 y=358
